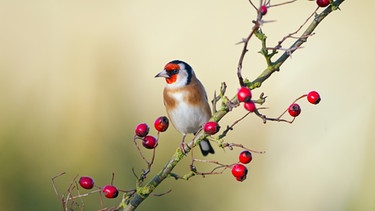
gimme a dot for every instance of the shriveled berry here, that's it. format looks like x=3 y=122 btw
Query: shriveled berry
x=322 y=3
x=149 y=142
x=250 y=106
x=239 y=170
x=245 y=157
x=244 y=94
x=142 y=130
x=110 y=191
x=263 y=9
x=313 y=97
x=161 y=123
x=294 y=110
x=211 y=128
x=86 y=182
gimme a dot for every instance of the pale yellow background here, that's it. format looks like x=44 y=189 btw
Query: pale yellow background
x=77 y=76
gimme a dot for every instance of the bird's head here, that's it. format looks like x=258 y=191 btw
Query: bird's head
x=177 y=74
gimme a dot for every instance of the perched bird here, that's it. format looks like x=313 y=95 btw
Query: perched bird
x=185 y=100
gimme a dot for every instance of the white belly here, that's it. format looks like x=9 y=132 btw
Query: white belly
x=187 y=118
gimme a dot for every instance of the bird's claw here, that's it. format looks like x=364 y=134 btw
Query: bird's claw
x=183 y=146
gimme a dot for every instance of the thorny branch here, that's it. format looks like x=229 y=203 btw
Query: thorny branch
x=290 y=35
x=133 y=198
x=143 y=192
x=302 y=39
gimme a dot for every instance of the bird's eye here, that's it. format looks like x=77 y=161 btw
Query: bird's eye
x=173 y=72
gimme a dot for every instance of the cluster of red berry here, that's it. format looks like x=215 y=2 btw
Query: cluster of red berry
x=313 y=97
x=150 y=142
x=239 y=171
x=109 y=191
x=244 y=96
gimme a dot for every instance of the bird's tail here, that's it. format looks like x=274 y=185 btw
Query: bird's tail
x=206 y=147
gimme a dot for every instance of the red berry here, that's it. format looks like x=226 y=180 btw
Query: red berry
x=211 y=128
x=322 y=3
x=110 y=191
x=244 y=94
x=161 y=124
x=149 y=142
x=245 y=157
x=239 y=171
x=250 y=106
x=294 y=110
x=86 y=182
x=142 y=130
x=263 y=9
x=313 y=97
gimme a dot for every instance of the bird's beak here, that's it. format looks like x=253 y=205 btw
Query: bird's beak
x=162 y=74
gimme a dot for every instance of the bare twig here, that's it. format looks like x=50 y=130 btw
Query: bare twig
x=290 y=35
x=149 y=163
x=83 y=195
x=162 y=194
x=221 y=166
x=82 y=202
x=244 y=51
x=224 y=133
x=278 y=119
x=231 y=145
x=54 y=186
x=275 y=5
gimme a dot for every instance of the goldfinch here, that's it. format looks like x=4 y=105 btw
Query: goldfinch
x=185 y=100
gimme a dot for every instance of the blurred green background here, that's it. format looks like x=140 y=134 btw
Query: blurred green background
x=76 y=77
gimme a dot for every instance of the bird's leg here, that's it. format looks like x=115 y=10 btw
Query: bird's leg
x=183 y=144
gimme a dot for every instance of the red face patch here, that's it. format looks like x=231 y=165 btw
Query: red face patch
x=171 y=79
x=171 y=67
